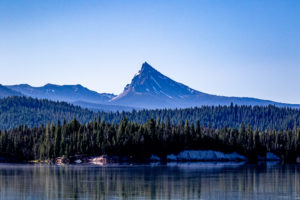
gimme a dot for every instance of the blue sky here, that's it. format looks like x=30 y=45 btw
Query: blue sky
x=232 y=48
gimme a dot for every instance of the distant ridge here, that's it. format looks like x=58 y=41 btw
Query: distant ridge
x=75 y=94
x=6 y=92
x=68 y=93
x=149 y=89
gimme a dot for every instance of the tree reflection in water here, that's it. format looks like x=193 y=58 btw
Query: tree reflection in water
x=172 y=181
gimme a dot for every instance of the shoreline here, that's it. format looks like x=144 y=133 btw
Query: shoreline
x=187 y=156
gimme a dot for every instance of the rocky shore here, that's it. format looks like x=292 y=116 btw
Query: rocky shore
x=183 y=156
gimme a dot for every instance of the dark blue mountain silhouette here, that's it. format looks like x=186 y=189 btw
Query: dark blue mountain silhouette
x=151 y=89
x=148 y=89
x=68 y=93
x=6 y=92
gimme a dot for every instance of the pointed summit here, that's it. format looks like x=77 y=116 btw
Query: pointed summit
x=151 y=89
x=146 y=66
x=147 y=69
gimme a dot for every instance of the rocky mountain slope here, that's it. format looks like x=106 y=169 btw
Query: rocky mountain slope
x=151 y=89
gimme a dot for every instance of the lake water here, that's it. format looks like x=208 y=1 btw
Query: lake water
x=172 y=181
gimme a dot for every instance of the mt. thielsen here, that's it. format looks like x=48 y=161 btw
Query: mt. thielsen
x=149 y=89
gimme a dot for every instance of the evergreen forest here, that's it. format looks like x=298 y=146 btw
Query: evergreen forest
x=140 y=141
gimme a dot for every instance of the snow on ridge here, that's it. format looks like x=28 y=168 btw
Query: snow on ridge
x=166 y=95
x=155 y=90
x=48 y=91
x=205 y=155
x=155 y=82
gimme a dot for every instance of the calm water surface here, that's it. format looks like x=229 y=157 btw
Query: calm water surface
x=172 y=181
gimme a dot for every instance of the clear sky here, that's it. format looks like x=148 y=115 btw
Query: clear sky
x=232 y=48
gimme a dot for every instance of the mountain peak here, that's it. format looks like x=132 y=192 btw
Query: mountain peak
x=146 y=67
x=153 y=89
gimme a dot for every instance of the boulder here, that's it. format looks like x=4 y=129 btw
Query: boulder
x=269 y=157
x=104 y=159
x=155 y=158
x=62 y=161
x=205 y=155
x=272 y=156
x=171 y=157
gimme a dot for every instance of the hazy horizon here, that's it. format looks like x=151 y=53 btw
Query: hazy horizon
x=232 y=48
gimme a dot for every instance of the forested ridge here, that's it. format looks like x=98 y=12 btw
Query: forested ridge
x=15 y=111
x=33 y=129
x=139 y=141
x=259 y=117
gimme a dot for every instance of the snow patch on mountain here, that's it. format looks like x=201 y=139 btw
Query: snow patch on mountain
x=155 y=82
x=166 y=95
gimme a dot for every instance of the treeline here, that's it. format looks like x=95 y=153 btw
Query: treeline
x=139 y=141
x=33 y=112
x=259 y=117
